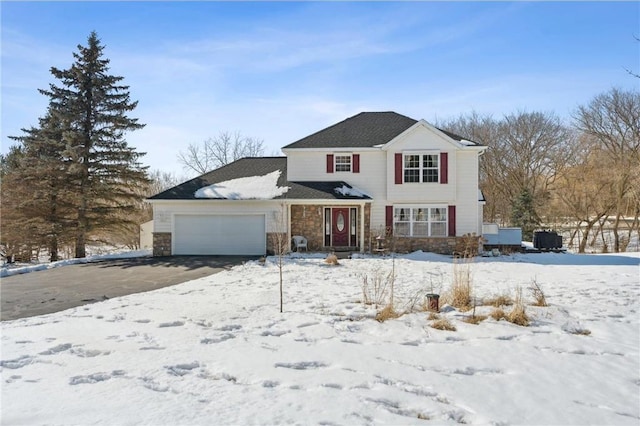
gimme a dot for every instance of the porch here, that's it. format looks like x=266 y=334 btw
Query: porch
x=339 y=228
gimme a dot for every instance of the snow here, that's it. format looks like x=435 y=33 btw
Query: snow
x=22 y=268
x=350 y=191
x=217 y=350
x=247 y=188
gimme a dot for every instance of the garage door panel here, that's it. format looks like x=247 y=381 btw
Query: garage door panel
x=219 y=234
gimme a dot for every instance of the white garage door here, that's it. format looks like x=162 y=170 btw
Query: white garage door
x=219 y=234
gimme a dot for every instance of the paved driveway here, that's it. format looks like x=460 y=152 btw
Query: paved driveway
x=53 y=290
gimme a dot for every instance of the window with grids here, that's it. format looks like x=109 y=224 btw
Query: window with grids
x=343 y=163
x=420 y=221
x=421 y=168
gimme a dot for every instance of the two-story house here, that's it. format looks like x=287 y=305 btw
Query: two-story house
x=371 y=175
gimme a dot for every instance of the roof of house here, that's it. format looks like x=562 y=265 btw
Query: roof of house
x=259 y=166
x=364 y=130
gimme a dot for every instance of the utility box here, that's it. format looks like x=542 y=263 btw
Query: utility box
x=547 y=240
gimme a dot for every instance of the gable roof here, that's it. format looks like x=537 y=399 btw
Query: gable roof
x=258 y=166
x=364 y=130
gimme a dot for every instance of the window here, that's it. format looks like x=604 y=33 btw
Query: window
x=420 y=221
x=421 y=168
x=343 y=163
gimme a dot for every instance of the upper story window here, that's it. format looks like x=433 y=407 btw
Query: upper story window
x=421 y=168
x=343 y=163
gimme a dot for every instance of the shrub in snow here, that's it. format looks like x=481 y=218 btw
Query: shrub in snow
x=443 y=324
x=332 y=259
x=538 y=294
x=498 y=301
x=388 y=312
x=474 y=319
x=498 y=314
x=375 y=288
x=460 y=293
x=518 y=315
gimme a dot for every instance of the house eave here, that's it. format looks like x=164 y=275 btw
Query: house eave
x=338 y=201
x=336 y=149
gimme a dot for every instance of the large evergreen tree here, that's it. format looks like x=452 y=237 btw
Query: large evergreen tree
x=104 y=171
x=46 y=203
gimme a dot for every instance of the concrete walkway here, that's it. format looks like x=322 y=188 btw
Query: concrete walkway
x=53 y=290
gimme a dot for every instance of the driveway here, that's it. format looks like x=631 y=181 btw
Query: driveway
x=53 y=290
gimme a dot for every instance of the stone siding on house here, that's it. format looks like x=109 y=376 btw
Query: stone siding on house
x=162 y=243
x=308 y=221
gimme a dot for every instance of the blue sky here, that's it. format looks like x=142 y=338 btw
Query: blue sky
x=281 y=71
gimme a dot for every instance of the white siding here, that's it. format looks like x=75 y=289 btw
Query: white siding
x=424 y=140
x=146 y=236
x=377 y=177
x=312 y=166
x=164 y=211
x=467 y=204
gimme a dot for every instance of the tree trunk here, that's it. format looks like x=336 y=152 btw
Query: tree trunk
x=585 y=237
x=616 y=235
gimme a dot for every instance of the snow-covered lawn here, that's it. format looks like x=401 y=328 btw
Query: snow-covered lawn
x=218 y=351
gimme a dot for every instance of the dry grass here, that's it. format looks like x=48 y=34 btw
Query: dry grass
x=498 y=314
x=498 y=301
x=433 y=316
x=581 y=332
x=460 y=293
x=388 y=312
x=518 y=314
x=443 y=324
x=475 y=319
x=537 y=293
x=332 y=259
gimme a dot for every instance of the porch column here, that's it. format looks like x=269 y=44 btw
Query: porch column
x=362 y=233
x=288 y=226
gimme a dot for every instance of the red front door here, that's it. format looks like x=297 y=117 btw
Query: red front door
x=340 y=227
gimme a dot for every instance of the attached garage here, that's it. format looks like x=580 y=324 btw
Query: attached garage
x=219 y=234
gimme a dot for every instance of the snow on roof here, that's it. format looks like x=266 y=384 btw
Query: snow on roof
x=344 y=190
x=467 y=143
x=246 y=188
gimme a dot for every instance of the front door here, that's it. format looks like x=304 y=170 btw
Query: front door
x=340 y=227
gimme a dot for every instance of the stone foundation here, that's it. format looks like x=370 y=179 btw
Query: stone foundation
x=162 y=243
x=465 y=246
x=442 y=245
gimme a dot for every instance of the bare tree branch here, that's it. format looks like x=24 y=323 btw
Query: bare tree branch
x=215 y=152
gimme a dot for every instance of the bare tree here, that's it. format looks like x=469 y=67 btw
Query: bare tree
x=280 y=243
x=613 y=119
x=584 y=191
x=526 y=152
x=218 y=151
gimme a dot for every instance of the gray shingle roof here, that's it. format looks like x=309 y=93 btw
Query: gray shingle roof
x=258 y=166
x=364 y=130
